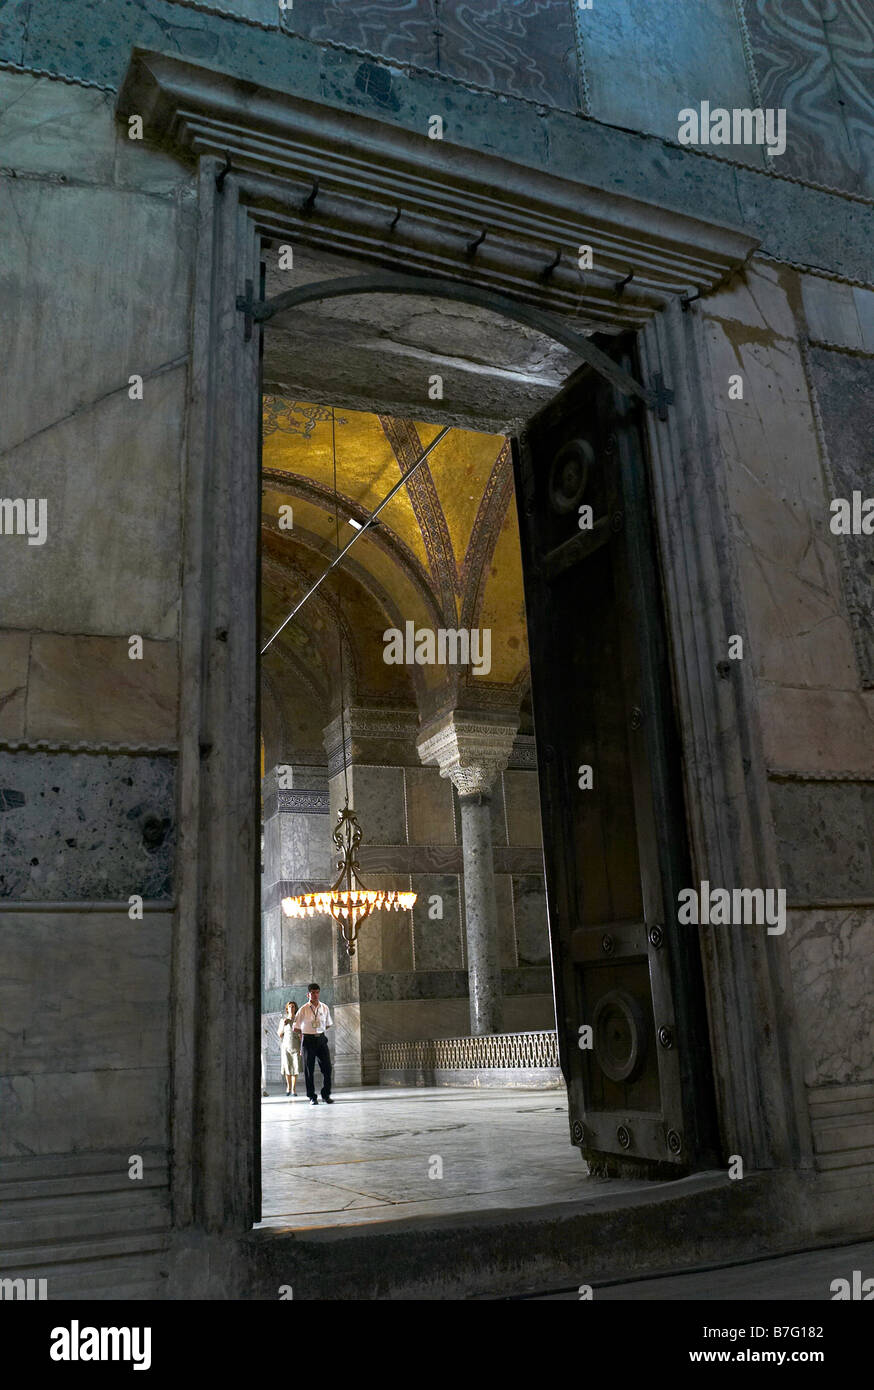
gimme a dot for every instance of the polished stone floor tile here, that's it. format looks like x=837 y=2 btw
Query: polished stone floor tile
x=370 y=1156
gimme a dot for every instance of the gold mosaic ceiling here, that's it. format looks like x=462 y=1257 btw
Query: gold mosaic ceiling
x=445 y=552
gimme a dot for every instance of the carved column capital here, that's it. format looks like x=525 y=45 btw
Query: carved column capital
x=471 y=752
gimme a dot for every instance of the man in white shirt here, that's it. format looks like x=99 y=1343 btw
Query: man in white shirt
x=311 y=1021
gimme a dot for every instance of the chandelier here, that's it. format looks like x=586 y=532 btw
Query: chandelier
x=347 y=900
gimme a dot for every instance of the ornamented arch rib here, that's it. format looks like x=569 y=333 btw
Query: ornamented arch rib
x=484 y=536
x=397 y=550
x=404 y=439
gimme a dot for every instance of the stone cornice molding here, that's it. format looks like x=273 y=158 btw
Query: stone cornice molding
x=470 y=753
x=447 y=194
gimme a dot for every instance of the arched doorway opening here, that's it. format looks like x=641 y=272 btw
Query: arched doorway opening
x=581 y=467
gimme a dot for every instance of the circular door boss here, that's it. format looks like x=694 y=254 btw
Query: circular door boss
x=569 y=475
x=619 y=1028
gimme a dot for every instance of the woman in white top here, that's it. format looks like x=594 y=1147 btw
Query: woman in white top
x=289 y=1048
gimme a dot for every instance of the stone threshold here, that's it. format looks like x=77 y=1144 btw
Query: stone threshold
x=621 y=1231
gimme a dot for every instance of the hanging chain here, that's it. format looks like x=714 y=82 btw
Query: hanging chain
x=339 y=627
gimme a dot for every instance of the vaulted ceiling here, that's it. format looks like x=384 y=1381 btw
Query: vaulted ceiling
x=443 y=553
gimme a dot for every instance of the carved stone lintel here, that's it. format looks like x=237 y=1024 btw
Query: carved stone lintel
x=471 y=753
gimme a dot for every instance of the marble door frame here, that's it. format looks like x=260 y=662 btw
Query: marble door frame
x=275 y=143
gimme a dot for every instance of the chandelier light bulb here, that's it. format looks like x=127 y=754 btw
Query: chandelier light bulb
x=347 y=900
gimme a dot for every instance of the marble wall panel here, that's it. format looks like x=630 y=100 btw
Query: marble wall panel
x=430 y=816
x=42 y=121
x=837 y=313
x=264 y=12
x=680 y=55
x=306 y=850
x=825 y=839
x=377 y=795
x=82 y=688
x=529 y=908
x=110 y=476
x=14 y=658
x=845 y=391
x=525 y=49
x=397 y=940
x=832 y=954
x=87 y=826
x=864 y=302
x=381 y=928
x=435 y=984
x=104 y=988
x=15 y=15
x=322 y=944
x=437 y=940
x=368 y=954
x=271 y=948
x=376 y=860
x=797 y=629
x=821 y=731
x=307 y=952
x=818 y=62
x=78 y=1112
x=522 y=799
x=346 y=1045
x=506 y=921
x=89 y=249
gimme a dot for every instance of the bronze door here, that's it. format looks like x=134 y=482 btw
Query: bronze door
x=615 y=844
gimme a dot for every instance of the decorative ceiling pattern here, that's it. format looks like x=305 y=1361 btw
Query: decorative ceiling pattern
x=443 y=553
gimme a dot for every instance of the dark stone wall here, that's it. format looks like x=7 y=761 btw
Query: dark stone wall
x=845 y=391
x=86 y=827
x=817 y=61
x=825 y=839
x=565 y=106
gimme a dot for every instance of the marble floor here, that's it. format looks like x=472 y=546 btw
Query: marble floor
x=370 y=1156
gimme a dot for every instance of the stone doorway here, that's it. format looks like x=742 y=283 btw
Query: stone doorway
x=469 y=727
x=271 y=166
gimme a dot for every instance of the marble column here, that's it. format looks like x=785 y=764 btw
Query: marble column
x=472 y=752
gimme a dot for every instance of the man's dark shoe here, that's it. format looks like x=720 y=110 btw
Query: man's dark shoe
x=327 y=1100
x=314 y=1100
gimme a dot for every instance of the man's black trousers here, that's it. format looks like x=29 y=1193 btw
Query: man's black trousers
x=315 y=1048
